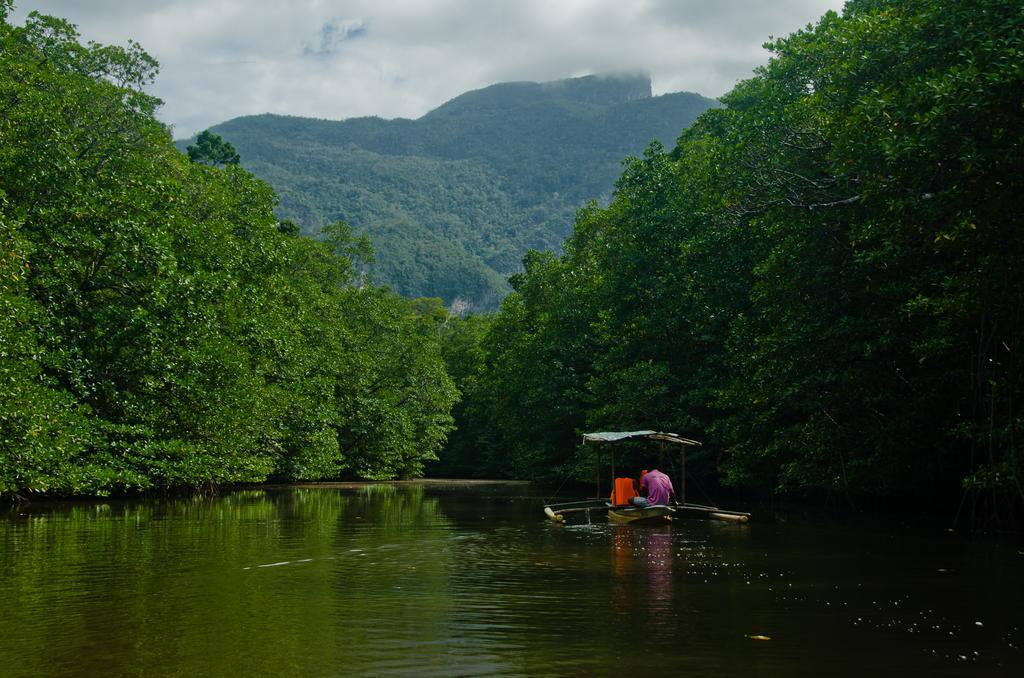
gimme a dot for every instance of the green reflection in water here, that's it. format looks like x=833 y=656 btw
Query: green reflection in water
x=214 y=585
x=420 y=579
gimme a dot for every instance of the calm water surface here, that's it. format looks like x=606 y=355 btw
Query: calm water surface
x=470 y=580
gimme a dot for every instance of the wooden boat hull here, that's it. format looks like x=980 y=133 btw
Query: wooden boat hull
x=651 y=515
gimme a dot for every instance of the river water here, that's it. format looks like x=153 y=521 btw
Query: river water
x=451 y=579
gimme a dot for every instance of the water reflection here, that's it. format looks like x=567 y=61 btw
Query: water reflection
x=642 y=561
x=622 y=569
x=659 y=559
x=425 y=580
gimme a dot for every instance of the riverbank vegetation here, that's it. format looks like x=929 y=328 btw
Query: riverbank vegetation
x=822 y=280
x=159 y=327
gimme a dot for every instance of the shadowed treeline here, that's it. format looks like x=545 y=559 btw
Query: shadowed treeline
x=822 y=280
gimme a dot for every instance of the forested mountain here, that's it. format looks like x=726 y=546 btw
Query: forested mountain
x=452 y=200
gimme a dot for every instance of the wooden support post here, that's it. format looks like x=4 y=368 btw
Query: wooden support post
x=682 y=474
x=613 y=473
x=597 y=467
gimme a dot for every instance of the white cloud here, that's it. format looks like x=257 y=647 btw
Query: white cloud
x=400 y=58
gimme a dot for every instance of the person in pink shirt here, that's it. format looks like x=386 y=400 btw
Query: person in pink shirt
x=657 y=487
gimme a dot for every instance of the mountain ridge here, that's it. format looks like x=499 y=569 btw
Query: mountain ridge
x=454 y=198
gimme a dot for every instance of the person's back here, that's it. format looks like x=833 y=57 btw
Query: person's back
x=623 y=491
x=659 y=488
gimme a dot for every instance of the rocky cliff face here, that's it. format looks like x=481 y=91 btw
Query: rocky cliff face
x=602 y=89
x=597 y=90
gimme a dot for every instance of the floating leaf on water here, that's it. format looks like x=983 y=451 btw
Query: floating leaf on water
x=759 y=637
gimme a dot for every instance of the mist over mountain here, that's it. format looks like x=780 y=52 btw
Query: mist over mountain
x=454 y=199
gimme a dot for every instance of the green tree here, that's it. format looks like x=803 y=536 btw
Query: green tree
x=210 y=149
x=161 y=327
x=822 y=279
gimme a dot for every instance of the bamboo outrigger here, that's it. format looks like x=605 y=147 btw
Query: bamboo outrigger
x=625 y=514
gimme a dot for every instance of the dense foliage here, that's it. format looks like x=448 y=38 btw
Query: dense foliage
x=823 y=280
x=454 y=199
x=210 y=149
x=158 y=326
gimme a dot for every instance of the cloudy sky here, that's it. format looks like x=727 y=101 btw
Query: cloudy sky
x=400 y=58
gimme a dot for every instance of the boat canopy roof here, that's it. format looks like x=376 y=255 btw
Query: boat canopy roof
x=615 y=436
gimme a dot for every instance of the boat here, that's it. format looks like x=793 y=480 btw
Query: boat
x=624 y=513
x=641 y=515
